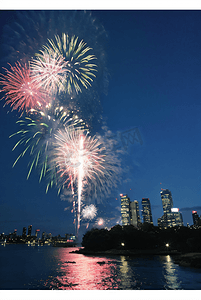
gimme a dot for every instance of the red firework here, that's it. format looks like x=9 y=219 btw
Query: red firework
x=20 y=90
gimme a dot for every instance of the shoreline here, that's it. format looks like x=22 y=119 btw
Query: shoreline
x=127 y=252
x=192 y=260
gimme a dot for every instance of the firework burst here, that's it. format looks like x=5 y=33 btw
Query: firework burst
x=100 y=222
x=84 y=165
x=20 y=91
x=56 y=139
x=37 y=135
x=77 y=154
x=89 y=212
x=79 y=63
x=73 y=149
x=49 y=71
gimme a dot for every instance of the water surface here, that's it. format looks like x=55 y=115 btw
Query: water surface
x=26 y=267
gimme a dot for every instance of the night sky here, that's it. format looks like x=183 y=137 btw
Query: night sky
x=153 y=60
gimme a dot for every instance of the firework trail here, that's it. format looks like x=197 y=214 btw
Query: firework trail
x=62 y=63
x=20 y=91
x=74 y=151
x=80 y=175
x=83 y=164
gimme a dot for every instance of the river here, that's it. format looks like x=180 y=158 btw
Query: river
x=24 y=267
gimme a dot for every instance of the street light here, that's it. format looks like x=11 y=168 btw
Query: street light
x=122 y=244
x=167 y=245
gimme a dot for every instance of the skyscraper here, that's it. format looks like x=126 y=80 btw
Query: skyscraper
x=195 y=217
x=125 y=210
x=177 y=219
x=24 y=232
x=37 y=232
x=171 y=217
x=29 y=230
x=167 y=202
x=146 y=211
x=135 y=214
x=44 y=235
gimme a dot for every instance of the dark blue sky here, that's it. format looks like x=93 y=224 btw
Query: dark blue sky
x=154 y=62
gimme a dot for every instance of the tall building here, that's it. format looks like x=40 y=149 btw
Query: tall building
x=29 y=230
x=125 y=210
x=44 y=235
x=177 y=219
x=15 y=233
x=167 y=202
x=24 y=232
x=195 y=217
x=37 y=232
x=135 y=213
x=171 y=217
x=146 y=211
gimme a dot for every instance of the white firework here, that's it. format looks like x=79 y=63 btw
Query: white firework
x=89 y=212
x=49 y=71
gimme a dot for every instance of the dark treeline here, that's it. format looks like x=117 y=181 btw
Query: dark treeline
x=182 y=239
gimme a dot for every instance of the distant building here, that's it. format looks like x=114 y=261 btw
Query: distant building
x=29 y=230
x=15 y=232
x=24 y=232
x=37 y=232
x=135 y=213
x=171 y=217
x=70 y=237
x=146 y=211
x=125 y=210
x=195 y=218
x=44 y=235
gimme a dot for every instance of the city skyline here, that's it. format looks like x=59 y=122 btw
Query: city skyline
x=135 y=218
x=134 y=206
x=153 y=61
x=172 y=216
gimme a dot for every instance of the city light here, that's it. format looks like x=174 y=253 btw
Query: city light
x=174 y=209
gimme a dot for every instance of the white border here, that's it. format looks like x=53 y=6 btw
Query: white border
x=103 y=5
x=100 y=295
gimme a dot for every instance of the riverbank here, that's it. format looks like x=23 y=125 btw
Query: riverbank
x=127 y=252
x=192 y=260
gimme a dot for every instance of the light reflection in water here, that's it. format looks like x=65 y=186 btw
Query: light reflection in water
x=170 y=274
x=39 y=268
x=71 y=271
x=126 y=273
x=81 y=272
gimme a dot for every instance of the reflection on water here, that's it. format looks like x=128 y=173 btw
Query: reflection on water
x=170 y=274
x=125 y=272
x=39 y=268
x=128 y=278
x=83 y=272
